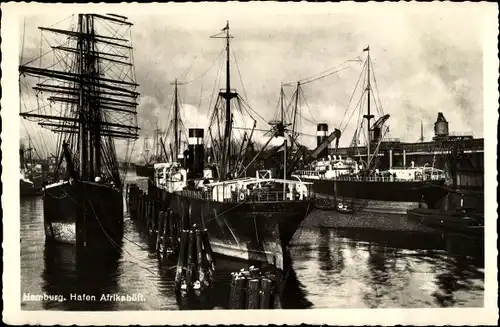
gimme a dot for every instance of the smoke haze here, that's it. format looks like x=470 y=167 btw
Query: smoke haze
x=424 y=62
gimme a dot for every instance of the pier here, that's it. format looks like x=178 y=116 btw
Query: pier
x=188 y=249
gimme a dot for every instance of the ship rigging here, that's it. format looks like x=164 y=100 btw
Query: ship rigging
x=251 y=218
x=86 y=93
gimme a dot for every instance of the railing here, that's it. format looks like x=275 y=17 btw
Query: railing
x=391 y=140
x=202 y=195
x=462 y=134
x=382 y=179
x=367 y=178
x=307 y=173
x=254 y=196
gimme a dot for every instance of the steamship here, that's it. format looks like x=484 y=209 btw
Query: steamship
x=394 y=190
x=85 y=208
x=251 y=218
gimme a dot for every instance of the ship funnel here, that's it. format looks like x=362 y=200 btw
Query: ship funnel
x=376 y=134
x=321 y=136
x=196 y=153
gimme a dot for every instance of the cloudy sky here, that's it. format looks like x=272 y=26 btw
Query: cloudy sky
x=426 y=60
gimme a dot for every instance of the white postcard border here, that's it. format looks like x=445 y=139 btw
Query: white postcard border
x=10 y=198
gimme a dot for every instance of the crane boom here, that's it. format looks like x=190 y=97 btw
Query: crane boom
x=335 y=135
x=380 y=121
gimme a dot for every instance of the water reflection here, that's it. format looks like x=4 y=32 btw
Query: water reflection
x=294 y=294
x=460 y=274
x=79 y=277
x=332 y=268
x=372 y=269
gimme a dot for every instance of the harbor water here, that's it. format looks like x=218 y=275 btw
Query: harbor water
x=330 y=268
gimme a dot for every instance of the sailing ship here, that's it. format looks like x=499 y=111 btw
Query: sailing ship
x=147 y=169
x=94 y=89
x=394 y=190
x=248 y=218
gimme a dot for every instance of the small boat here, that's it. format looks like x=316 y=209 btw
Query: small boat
x=344 y=207
x=324 y=203
x=454 y=221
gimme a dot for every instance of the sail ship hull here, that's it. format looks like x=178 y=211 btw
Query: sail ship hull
x=381 y=196
x=29 y=189
x=252 y=231
x=85 y=213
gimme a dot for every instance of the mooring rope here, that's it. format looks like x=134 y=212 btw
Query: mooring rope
x=119 y=248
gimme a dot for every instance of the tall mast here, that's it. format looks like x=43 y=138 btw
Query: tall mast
x=146 y=150
x=96 y=103
x=176 y=123
x=227 y=133
x=87 y=101
x=368 y=116
x=227 y=95
x=282 y=96
x=102 y=95
x=156 y=143
x=295 y=110
x=81 y=110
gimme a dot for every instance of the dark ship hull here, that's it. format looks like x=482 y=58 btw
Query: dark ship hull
x=144 y=170
x=86 y=214
x=251 y=231
x=29 y=189
x=379 y=195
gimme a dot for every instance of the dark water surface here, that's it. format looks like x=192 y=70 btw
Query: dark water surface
x=332 y=268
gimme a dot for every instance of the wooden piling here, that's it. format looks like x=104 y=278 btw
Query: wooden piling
x=237 y=294
x=132 y=206
x=143 y=207
x=179 y=221
x=160 y=244
x=183 y=247
x=139 y=206
x=208 y=250
x=254 y=272
x=277 y=301
x=149 y=212
x=232 y=290
x=154 y=218
x=265 y=293
x=275 y=298
x=200 y=258
x=168 y=240
x=253 y=294
x=172 y=232
x=157 y=211
x=191 y=273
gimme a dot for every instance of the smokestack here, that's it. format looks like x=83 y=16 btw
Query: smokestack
x=440 y=126
x=321 y=136
x=376 y=133
x=196 y=153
